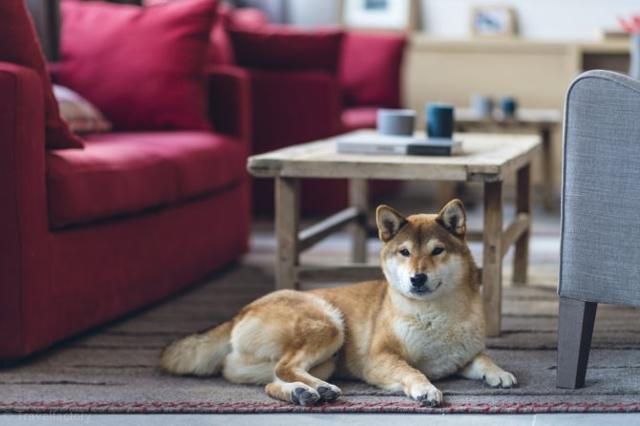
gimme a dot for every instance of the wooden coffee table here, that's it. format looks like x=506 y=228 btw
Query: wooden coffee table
x=487 y=158
x=535 y=120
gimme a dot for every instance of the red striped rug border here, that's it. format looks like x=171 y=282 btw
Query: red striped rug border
x=338 y=407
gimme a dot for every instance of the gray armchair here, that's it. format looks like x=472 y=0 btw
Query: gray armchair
x=600 y=254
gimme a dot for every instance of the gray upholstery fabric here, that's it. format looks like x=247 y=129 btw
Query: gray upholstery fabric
x=600 y=255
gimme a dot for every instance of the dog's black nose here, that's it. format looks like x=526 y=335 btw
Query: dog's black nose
x=418 y=280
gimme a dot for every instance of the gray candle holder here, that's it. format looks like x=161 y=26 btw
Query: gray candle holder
x=396 y=122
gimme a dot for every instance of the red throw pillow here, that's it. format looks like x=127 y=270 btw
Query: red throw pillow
x=370 y=69
x=274 y=47
x=19 y=45
x=143 y=67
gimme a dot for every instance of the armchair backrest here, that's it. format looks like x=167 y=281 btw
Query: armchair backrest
x=600 y=253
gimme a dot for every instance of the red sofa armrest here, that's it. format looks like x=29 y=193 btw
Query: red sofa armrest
x=23 y=204
x=230 y=101
x=292 y=107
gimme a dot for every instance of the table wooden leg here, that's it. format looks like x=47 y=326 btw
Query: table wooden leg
x=523 y=205
x=359 y=198
x=287 y=202
x=492 y=257
x=547 y=169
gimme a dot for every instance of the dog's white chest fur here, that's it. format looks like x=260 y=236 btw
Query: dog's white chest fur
x=438 y=343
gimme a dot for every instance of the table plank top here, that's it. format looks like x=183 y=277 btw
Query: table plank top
x=485 y=157
x=524 y=116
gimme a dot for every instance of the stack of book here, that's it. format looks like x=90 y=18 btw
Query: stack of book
x=375 y=143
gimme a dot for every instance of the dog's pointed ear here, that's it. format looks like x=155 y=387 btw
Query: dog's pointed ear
x=453 y=218
x=389 y=222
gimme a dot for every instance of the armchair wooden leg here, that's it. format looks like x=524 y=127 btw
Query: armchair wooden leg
x=575 y=327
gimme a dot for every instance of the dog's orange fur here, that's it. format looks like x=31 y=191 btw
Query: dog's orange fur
x=387 y=333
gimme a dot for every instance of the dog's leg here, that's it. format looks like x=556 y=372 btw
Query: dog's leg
x=389 y=371
x=292 y=380
x=295 y=392
x=325 y=370
x=483 y=368
x=243 y=368
x=295 y=384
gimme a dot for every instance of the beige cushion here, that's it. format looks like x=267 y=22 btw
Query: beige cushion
x=79 y=114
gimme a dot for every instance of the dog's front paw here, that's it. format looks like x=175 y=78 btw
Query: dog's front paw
x=501 y=379
x=427 y=395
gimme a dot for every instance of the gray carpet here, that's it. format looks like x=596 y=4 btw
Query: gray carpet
x=115 y=368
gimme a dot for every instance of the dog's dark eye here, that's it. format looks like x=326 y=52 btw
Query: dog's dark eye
x=405 y=252
x=436 y=251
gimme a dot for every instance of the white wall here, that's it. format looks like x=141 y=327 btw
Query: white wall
x=538 y=19
x=309 y=13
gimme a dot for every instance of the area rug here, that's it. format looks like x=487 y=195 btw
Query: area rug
x=114 y=369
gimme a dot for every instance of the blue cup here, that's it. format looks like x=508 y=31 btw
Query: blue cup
x=439 y=121
x=509 y=106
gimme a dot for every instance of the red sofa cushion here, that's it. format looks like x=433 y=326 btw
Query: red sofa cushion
x=121 y=173
x=284 y=48
x=19 y=45
x=359 y=118
x=370 y=68
x=143 y=67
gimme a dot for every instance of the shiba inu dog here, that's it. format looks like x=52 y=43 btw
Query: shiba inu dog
x=425 y=321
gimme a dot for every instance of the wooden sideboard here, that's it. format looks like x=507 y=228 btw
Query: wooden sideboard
x=537 y=73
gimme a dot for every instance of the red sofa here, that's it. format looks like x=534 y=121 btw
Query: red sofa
x=300 y=98
x=89 y=235
x=290 y=108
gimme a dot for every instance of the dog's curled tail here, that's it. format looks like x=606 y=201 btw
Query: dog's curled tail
x=198 y=354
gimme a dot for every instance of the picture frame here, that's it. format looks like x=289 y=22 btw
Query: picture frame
x=494 y=21
x=390 y=15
